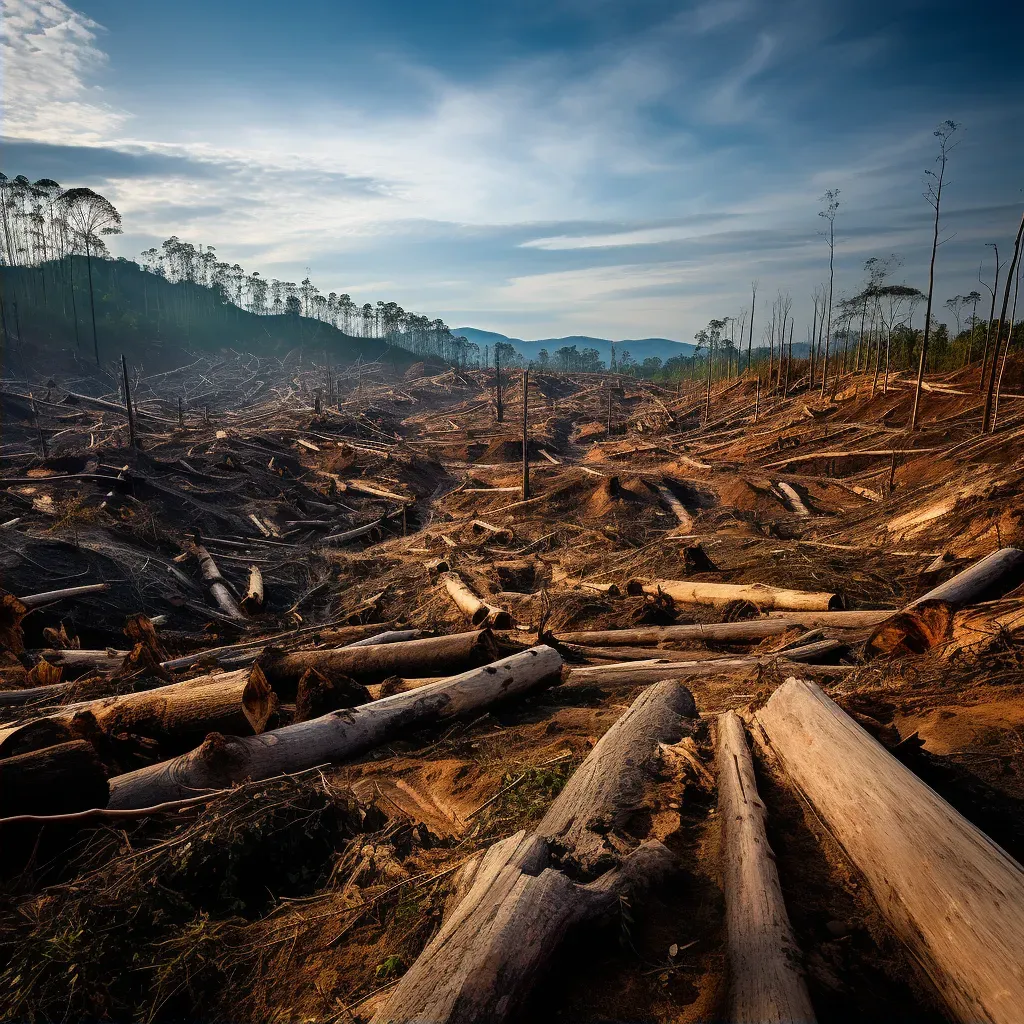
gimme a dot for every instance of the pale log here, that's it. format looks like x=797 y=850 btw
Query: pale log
x=765 y=983
x=478 y=612
x=954 y=897
x=222 y=761
x=252 y=603
x=49 y=596
x=642 y=673
x=677 y=508
x=720 y=594
x=218 y=588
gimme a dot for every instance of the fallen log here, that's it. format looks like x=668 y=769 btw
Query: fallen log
x=642 y=673
x=60 y=779
x=216 y=584
x=953 y=896
x=514 y=904
x=719 y=595
x=765 y=983
x=478 y=612
x=373 y=663
x=928 y=621
x=677 y=508
x=793 y=499
x=499 y=533
x=391 y=636
x=749 y=631
x=178 y=715
x=222 y=761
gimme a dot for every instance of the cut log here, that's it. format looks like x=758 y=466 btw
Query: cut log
x=480 y=613
x=928 y=621
x=954 y=897
x=765 y=984
x=431 y=656
x=793 y=499
x=177 y=715
x=677 y=508
x=642 y=673
x=222 y=761
x=60 y=779
x=719 y=595
x=391 y=636
x=216 y=584
x=499 y=533
x=514 y=904
x=749 y=631
x=252 y=603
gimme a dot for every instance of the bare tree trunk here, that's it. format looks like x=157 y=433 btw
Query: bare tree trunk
x=721 y=594
x=986 y=423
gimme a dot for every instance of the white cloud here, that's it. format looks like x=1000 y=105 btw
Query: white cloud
x=48 y=53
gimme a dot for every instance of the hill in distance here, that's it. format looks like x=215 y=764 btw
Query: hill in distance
x=640 y=349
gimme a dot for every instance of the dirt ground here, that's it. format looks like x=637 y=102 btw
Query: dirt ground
x=305 y=897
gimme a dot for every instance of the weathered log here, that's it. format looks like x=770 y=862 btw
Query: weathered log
x=954 y=897
x=55 y=780
x=431 y=656
x=677 y=508
x=216 y=584
x=349 y=535
x=517 y=901
x=642 y=673
x=48 y=597
x=252 y=603
x=765 y=984
x=793 y=499
x=222 y=761
x=478 y=612
x=179 y=714
x=749 y=631
x=721 y=594
x=499 y=533
x=391 y=636
x=928 y=621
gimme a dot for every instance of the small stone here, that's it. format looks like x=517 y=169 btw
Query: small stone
x=673 y=950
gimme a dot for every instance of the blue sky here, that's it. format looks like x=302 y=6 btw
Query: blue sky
x=613 y=168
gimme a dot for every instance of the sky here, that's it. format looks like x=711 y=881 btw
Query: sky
x=617 y=168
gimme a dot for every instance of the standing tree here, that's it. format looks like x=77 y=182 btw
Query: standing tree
x=90 y=216
x=1011 y=273
x=933 y=194
x=991 y=313
x=750 y=336
x=831 y=201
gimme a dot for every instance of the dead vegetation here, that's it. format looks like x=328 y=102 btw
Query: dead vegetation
x=275 y=565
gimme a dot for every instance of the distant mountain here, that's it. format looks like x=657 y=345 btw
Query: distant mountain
x=640 y=349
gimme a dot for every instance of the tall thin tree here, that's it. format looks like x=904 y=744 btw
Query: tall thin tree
x=1011 y=273
x=831 y=201
x=933 y=194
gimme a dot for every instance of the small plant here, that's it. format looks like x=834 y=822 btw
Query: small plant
x=389 y=967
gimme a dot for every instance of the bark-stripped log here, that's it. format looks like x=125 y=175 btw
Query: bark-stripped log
x=55 y=780
x=478 y=612
x=793 y=499
x=216 y=584
x=515 y=904
x=765 y=983
x=373 y=663
x=749 y=631
x=499 y=533
x=252 y=603
x=642 y=673
x=222 y=761
x=952 y=895
x=391 y=636
x=677 y=508
x=720 y=594
x=989 y=577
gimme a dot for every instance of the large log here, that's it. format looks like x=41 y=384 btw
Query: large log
x=954 y=897
x=928 y=621
x=765 y=983
x=718 y=595
x=373 y=663
x=55 y=780
x=748 y=631
x=178 y=715
x=521 y=897
x=222 y=761
x=642 y=673
x=478 y=612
